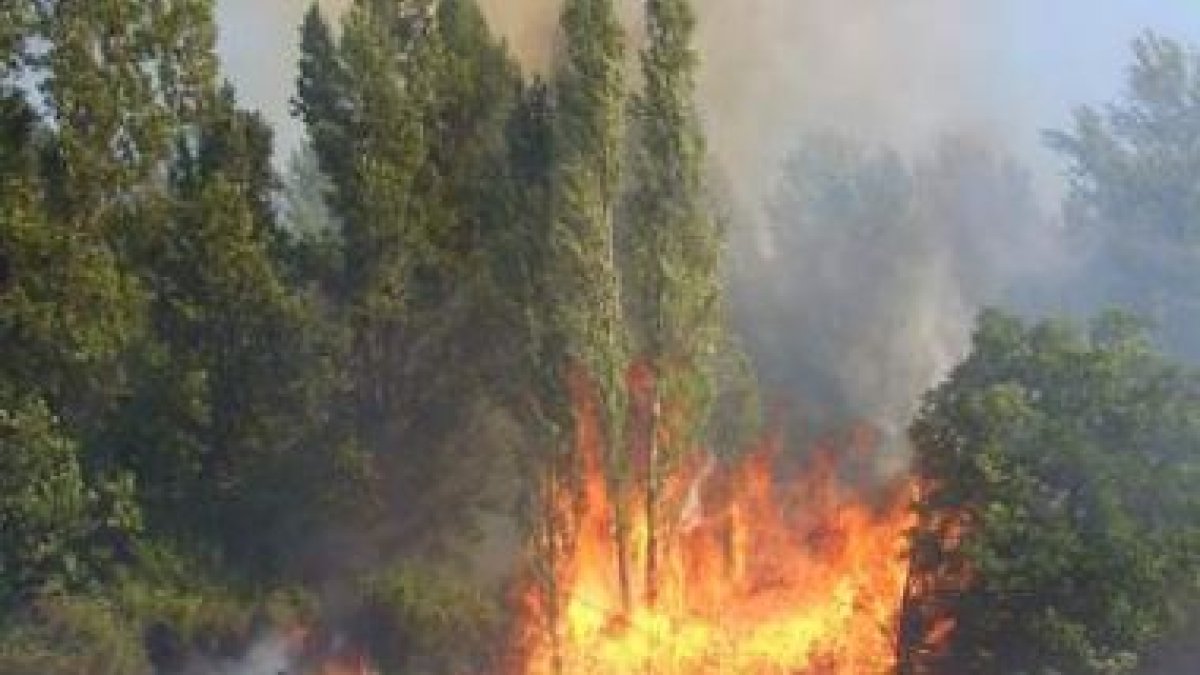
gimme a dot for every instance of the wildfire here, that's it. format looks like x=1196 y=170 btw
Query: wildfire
x=750 y=576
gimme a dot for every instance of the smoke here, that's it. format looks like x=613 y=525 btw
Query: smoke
x=280 y=654
x=273 y=655
x=876 y=266
x=852 y=311
x=875 y=69
x=528 y=26
x=851 y=323
x=259 y=43
x=900 y=75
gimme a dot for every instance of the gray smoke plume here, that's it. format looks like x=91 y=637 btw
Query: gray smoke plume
x=874 y=266
x=855 y=319
x=272 y=655
x=894 y=75
x=854 y=309
x=259 y=42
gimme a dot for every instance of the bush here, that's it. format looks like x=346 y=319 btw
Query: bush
x=418 y=620
x=72 y=636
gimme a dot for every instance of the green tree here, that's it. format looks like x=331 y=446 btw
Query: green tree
x=1133 y=201
x=674 y=277
x=68 y=316
x=588 y=305
x=44 y=513
x=405 y=111
x=120 y=77
x=1058 y=523
x=523 y=267
x=232 y=386
x=313 y=234
x=323 y=103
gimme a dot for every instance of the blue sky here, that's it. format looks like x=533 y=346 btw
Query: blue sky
x=1057 y=54
x=1043 y=58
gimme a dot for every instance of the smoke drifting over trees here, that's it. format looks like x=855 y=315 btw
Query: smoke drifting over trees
x=905 y=79
x=275 y=357
x=776 y=74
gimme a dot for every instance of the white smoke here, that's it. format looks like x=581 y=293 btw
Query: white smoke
x=900 y=74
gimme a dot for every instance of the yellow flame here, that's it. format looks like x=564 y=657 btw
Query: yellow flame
x=753 y=577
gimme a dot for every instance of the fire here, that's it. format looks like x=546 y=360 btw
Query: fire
x=750 y=575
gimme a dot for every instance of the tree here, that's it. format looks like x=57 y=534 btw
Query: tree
x=588 y=304
x=907 y=249
x=674 y=281
x=68 y=316
x=312 y=232
x=1058 y=525
x=323 y=103
x=44 y=513
x=121 y=76
x=232 y=388
x=1133 y=203
x=405 y=111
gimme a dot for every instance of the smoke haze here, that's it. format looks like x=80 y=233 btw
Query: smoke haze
x=892 y=76
x=839 y=338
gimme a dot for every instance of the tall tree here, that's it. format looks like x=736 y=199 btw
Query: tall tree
x=405 y=111
x=76 y=195
x=236 y=357
x=121 y=77
x=1133 y=200
x=673 y=284
x=523 y=269
x=323 y=103
x=63 y=325
x=588 y=305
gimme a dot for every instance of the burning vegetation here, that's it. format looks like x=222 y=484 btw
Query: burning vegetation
x=489 y=303
x=737 y=569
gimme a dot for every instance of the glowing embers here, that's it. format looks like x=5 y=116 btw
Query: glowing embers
x=751 y=575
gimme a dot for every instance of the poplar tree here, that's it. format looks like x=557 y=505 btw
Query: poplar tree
x=588 y=303
x=674 y=246
x=118 y=79
x=322 y=102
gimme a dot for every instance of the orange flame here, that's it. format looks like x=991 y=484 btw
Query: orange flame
x=751 y=577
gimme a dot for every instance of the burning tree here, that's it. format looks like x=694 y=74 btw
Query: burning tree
x=630 y=298
x=754 y=575
x=649 y=552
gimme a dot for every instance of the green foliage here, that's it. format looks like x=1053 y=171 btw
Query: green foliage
x=120 y=74
x=71 y=636
x=588 y=127
x=1072 y=461
x=68 y=311
x=139 y=627
x=312 y=235
x=674 y=241
x=199 y=390
x=405 y=111
x=60 y=529
x=44 y=510
x=421 y=620
x=1133 y=200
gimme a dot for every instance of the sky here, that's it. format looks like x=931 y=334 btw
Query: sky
x=1030 y=61
x=896 y=72
x=1054 y=55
